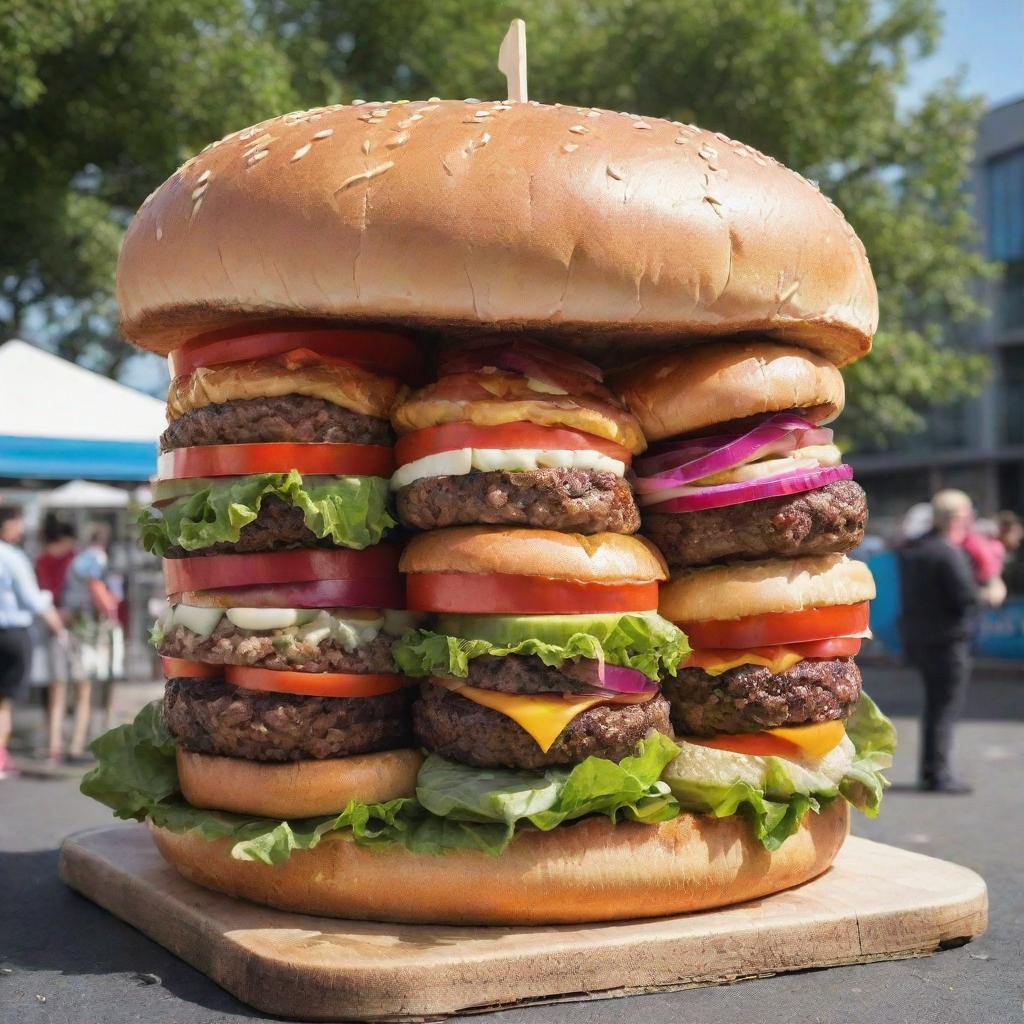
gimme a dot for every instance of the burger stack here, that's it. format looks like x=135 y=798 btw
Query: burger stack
x=536 y=724
x=745 y=493
x=545 y=646
x=271 y=512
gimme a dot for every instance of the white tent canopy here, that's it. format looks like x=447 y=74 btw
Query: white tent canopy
x=59 y=420
x=86 y=494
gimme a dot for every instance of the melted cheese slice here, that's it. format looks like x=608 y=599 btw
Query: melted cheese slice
x=814 y=741
x=543 y=716
x=776 y=664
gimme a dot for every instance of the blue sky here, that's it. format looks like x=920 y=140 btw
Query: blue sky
x=986 y=39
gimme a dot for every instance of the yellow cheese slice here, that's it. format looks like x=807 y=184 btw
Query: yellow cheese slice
x=543 y=716
x=815 y=740
x=776 y=665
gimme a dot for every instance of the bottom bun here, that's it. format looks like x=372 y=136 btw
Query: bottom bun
x=591 y=871
x=296 y=789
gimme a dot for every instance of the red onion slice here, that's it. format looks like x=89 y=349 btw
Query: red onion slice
x=612 y=679
x=692 y=460
x=749 y=490
x=521 y=356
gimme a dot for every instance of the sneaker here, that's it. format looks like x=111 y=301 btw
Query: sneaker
x=951 y=787
x=8 y=770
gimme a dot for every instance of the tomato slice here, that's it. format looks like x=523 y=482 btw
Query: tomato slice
x=837 y=647
x=315 y=684
x=505 y=594
x=448 y=436
x=278 y=457
x=179 y=668
x=380 y=351
x=778 y=627
x=305 y=565
x=386 y=592
x=762 y=743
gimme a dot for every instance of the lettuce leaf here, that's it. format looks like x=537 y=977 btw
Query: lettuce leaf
x=350 y=511
x=645 y=642
x=774 y=793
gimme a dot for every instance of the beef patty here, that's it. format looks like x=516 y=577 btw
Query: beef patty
x=284 y=418
x=524 y=673
x=581 y=500
x=229 y=645
x=749 y=698
x=209 y=716
x=464 y=731
x=829 y=519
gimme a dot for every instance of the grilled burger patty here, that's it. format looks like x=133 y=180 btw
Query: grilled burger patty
x=209 y=716
x=749 y=698
x=524 y=673
x=284 y=418
x=457 y=728
x=229 y=645
x=829 y=519
x=581 y=500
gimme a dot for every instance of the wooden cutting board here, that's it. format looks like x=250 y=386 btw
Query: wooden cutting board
x=876 y=903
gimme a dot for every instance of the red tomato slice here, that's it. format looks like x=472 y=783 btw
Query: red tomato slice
x=305 y=565
x=748 y=743
x=838 y=647
x=775 y=628
x=179 y=668
x=380 y=351
x=387 y=592
x=279 y=457
x=315 y=684
x=449 y=436
x=505 y=594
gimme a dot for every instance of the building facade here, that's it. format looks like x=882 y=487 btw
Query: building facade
x=977 y=445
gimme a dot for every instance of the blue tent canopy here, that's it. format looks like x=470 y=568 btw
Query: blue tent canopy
x=59 y=421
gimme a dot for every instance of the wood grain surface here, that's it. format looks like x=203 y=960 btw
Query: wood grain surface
x=876 y=903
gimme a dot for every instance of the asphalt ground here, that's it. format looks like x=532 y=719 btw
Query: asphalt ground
x=63 y=960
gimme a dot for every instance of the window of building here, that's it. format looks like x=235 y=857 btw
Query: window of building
x=1006 y=207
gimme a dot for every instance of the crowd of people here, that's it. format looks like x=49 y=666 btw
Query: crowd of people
x=57 y=620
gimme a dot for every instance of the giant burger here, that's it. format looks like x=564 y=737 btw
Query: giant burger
x=532 y=740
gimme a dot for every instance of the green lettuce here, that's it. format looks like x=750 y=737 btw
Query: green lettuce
x=775 y=793
x=645 y=642
x=350 y=511
x=458 y=807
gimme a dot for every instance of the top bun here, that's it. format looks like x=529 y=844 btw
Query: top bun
x=720 y=592
x=601 y=558
x=708 y=385
x=600 y=227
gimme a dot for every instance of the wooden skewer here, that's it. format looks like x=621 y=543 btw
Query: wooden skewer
x=512 y=60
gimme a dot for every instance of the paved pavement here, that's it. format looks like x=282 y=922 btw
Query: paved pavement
x=65 y=961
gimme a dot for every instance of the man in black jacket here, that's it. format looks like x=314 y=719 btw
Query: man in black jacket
x=939 y=612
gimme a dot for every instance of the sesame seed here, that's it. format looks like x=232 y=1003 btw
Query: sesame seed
x=615 y=172
x=714 y=204
x=198 y=191
x=682 y=140
x=159 y=233
x=358 y=103
x=324 y=133
x=579 y=129
x=366 y=146
x=722 y=136
x=195 y=207
x=471 y=99
x=424 y=110
x=365 y=117
x=398 y=140
x=678 y=124
x=301 y=151
x=258 y=156
x=434 y=99
x=594 y=113
x=570 y=147
x=534 y=103
x=381 y=112
x=364 y=176
x=641 y=124
x=482 y=113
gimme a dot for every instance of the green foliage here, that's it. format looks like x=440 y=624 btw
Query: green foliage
x=100 y=99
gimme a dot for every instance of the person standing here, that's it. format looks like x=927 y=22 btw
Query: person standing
x=21 y=601
x=938 y=619
x=64 y=657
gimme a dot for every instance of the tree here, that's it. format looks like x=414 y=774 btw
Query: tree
x=99 y=101
x=108 y=102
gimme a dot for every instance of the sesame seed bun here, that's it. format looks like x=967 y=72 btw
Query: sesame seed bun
x=733 y=591
x=591 y=871
x=604 y=227
x=695 y=388
x=601 y=558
